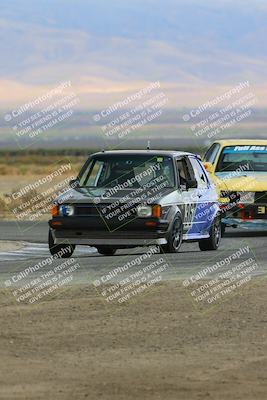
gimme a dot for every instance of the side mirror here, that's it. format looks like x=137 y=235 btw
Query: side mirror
x=208 y=166
x=73 y=183
x=191 y=184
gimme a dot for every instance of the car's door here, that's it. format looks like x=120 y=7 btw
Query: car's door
x=186 y=179
x=204 y=197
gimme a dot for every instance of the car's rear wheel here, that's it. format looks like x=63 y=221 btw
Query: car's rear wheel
x=175 y=238
x=106 y=251
x=213 y=242
x=59 y=250
x=223 y=229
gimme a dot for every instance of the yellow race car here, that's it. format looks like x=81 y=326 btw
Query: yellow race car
x=239 y=170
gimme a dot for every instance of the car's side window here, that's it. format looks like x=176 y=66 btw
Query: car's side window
x=202 y=180
x=212 y=152
x=96 y=173
x=185 y=171
x=204 y=175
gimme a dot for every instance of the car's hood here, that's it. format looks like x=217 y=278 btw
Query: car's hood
x=247 y=181
x=98 y=196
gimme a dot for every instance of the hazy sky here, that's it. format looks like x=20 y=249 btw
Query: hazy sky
x=107 y=48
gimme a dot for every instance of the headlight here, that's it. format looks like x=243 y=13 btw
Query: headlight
x=144 y=211
x=229 y=197
x=66 y=210
x=247 y=197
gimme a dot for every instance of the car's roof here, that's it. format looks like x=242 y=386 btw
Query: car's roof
x=236 y=142
x=170 y=153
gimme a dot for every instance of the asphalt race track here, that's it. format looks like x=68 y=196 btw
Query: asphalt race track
x=92 y=265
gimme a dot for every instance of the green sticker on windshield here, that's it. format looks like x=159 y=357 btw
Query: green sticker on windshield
x=159 y=159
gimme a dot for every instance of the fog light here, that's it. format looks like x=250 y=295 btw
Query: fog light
x=151 y=223
x=56 y=223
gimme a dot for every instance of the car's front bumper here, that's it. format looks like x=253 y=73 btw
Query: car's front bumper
x=91 y=232
x=256 y=224
x=251 y=216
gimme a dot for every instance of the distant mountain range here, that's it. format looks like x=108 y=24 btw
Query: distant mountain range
x=196 y=48
x=168 y=131
x=108 y=49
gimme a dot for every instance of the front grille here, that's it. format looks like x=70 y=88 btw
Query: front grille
x=85 y=210
x=104 y=209
x=261 y=197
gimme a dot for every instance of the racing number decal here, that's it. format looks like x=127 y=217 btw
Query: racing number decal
x=189 y=214
x=261 y=210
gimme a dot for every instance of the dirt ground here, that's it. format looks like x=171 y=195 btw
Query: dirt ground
x=72 y=346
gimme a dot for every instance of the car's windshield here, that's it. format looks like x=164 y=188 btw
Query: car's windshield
x=126 y=171
x=250 y=158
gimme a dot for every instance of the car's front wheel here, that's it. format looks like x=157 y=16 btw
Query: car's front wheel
x=175 y=238
x=106 y=251
x=59 y=250
x=213 y=242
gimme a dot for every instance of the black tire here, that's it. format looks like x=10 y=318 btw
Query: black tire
x=223 y=229
x=175 y=238
x=213 y=242
x=59 y=250
x=106 y=251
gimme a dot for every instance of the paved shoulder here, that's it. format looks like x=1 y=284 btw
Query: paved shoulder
x=26 y=251
x=9 y=245
x=24 y=231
